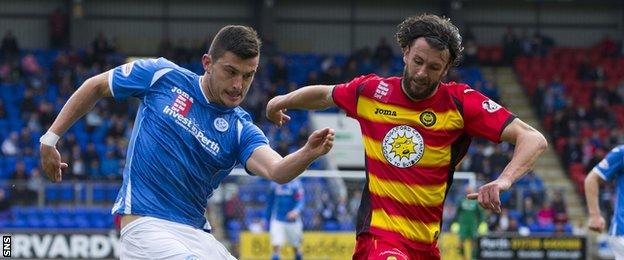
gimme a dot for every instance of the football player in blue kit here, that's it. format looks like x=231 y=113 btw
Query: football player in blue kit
x=284 y=208
x=610 y=169
x=188 y=134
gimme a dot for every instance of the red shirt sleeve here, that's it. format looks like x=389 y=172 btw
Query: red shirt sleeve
x=484 y=117
x=345 y=95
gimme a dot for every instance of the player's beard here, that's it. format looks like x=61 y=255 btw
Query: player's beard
x=416 y=91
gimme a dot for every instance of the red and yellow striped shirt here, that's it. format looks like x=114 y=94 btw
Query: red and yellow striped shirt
x=412 y=149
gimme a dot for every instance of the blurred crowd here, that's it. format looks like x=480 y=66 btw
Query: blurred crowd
x=36 y=83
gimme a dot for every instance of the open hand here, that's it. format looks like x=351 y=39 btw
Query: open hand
x=489 y=194
x=51 y=162
x=275 y=113
x=321 y=141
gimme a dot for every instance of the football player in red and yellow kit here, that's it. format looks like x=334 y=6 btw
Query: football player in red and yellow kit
x=415 y=130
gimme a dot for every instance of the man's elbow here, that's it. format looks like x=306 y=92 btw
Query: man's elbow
x=542 y=143
x=274 y=175
x=592 y=179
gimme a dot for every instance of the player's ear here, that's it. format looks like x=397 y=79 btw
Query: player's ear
x=405 y=52
x=206 y=62
x=445 y=70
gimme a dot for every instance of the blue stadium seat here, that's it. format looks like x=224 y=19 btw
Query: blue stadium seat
x=30 y=162
x=99 y=192
x=9 y=164
x=331 y=225
x=66 y=191
x=52 y=192
x=111 y=193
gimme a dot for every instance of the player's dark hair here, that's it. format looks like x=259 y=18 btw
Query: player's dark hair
x=241 y=40
x=438 y=31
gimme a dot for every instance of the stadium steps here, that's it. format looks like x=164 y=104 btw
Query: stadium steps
x=548 y=166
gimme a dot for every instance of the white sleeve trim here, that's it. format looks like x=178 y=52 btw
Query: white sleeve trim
x=599 y=172
x=239 y=127
x=111 y=72
x=159 y=74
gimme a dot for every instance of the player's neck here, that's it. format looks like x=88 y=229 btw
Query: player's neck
x=205 y=87
x=416 y=99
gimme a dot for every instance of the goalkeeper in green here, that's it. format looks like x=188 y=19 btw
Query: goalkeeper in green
x=470 y=218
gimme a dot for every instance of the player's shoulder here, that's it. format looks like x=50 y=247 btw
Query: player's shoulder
x=367 y=79
x=240 y=114
x=618 y=149
x=158 y=64
x=456 y=88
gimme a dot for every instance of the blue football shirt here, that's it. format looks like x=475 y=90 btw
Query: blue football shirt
x=284 y=198
x=182 y=146
x=610 y=169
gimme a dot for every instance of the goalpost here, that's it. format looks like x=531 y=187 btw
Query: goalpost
x=332 y=200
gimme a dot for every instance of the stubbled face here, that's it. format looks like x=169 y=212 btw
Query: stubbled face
x=228 y=78
x=424 y=68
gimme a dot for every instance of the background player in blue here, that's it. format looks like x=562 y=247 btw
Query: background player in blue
x=609 y=169
x=188 y=134
x=285 y=204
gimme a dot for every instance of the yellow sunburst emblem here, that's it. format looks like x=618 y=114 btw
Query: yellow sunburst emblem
x=403 y=146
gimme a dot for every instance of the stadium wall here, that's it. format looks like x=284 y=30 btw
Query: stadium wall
x=302 y=26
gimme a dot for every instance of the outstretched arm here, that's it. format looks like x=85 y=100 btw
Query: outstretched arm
x=530 y=143
x=310 y=97
x=267 y=163
x=592 y=185
x=77 y=106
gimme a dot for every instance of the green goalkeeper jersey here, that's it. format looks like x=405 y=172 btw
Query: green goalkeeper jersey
x=469 y=215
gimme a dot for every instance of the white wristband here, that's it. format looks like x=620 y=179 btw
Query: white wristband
x=49 y=139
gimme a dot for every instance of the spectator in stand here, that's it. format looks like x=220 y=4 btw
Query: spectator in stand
x=471 y=53
x=600 y=114
x=110 y=166
x=546 y=215
x=313 y=79
x=572 y=151
x=3 y=112
x=279 y=70
x=5 y=205
x=234 y=208
x=528 y=209
x=620 y=89
x=383 y=53
x=9 y=47
x=101 y=48
x=10 y=145
x=586 y=72
x=21 y=193
x=607 y=47
x=350 y=69
x=58 y=24
x=511 y=46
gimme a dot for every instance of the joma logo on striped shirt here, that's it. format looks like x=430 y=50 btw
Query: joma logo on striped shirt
x=385 y=112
